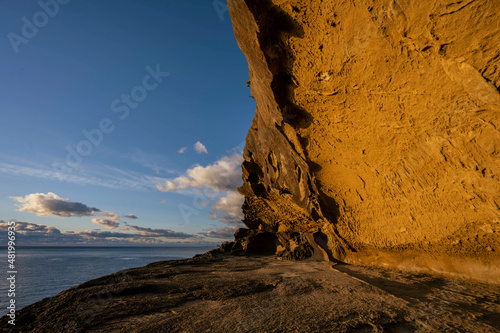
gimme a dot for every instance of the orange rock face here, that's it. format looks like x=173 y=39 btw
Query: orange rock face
x=377 y=130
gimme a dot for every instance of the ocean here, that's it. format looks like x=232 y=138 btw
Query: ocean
x=46 y=271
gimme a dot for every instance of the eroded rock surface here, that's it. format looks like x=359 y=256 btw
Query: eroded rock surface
x=376 y=135
x=262 y=294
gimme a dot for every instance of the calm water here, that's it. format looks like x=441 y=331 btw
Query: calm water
x=46 y=271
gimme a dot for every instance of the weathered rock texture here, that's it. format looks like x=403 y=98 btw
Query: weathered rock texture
x=376 y=136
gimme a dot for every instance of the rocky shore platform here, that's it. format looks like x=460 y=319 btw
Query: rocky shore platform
x=222 y=293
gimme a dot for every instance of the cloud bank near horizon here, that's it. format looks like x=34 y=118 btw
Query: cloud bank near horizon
x=39 y=234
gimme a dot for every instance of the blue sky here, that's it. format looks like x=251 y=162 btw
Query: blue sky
x=68 y=72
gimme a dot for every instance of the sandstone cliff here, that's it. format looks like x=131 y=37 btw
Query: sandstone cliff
x=376 y=137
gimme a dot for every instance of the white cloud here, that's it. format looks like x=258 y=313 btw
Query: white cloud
x=223 y=175
x=200 y=148
x=130 y=216
x=51 y=204
x=230 y=205
x=108 y=224
x=182 y=150
x=219 y=181
x=110 y=216
x=32 y=227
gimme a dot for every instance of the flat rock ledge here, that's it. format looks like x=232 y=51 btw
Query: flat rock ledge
x=222 y=293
